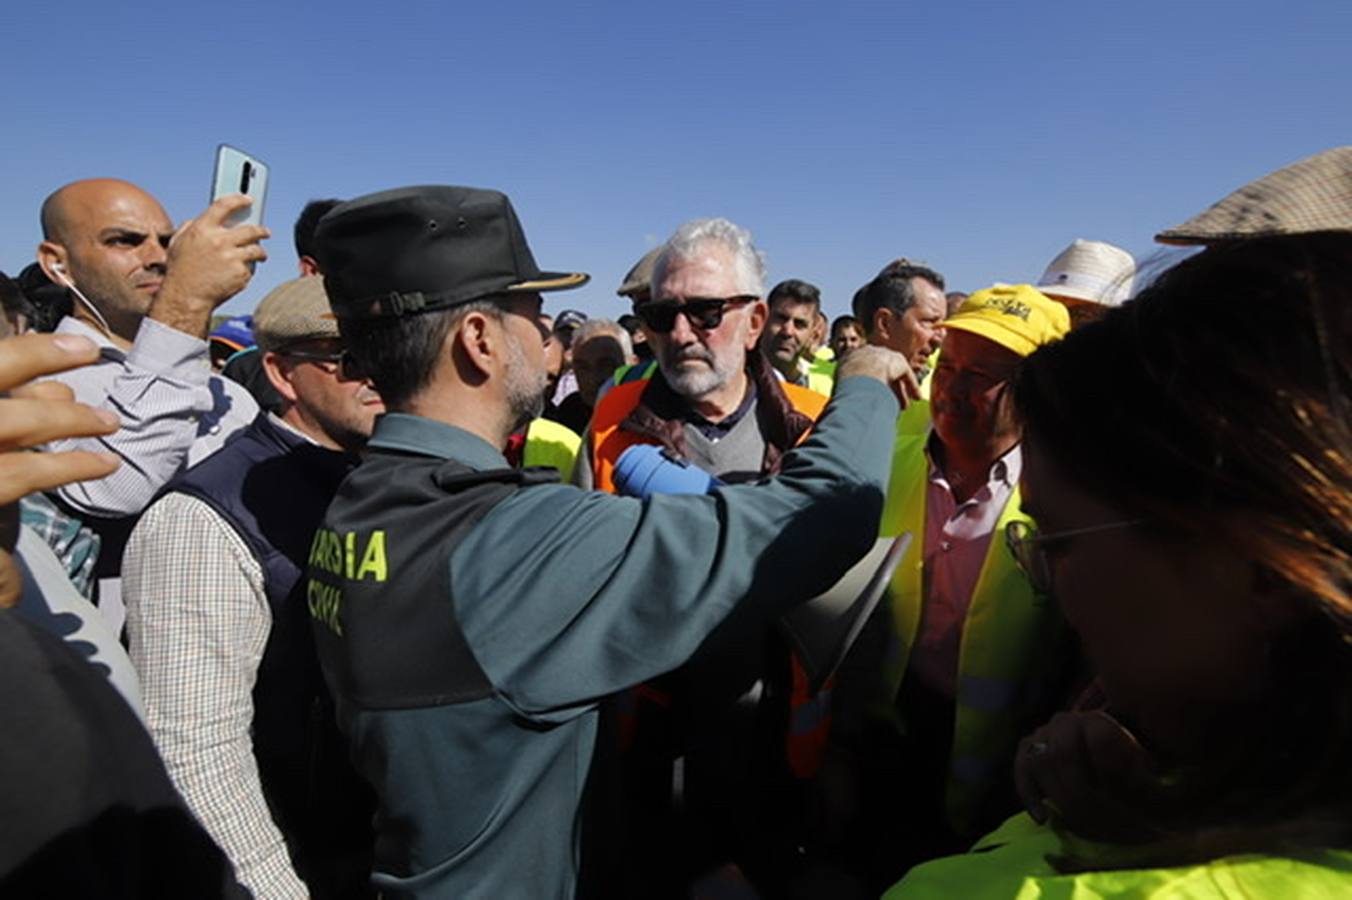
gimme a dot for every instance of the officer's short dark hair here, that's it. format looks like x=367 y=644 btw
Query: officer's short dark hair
x=307 y=222
x=891 y=289
x=797 y=292
x=400 y=353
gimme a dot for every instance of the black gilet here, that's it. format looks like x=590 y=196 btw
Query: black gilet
x=272 y=487
x=380 y=591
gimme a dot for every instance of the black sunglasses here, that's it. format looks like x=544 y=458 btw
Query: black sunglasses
x=705 y=313
x=349 y=369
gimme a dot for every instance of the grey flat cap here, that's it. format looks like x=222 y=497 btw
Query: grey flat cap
x=635 y=284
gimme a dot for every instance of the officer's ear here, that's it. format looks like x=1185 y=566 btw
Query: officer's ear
x=475 y=342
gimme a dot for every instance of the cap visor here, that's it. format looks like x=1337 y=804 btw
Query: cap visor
x=552 y=281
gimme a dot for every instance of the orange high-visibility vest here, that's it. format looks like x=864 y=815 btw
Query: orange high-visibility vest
x=609 y=440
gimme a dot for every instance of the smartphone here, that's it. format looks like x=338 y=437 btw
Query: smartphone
x=239 y=173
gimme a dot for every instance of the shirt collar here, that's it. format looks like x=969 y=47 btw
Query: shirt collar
x=724 y=425
x=1009 y=467
x=72 y=325
x=292 y=429
x=428 y=437
x=1004 y=471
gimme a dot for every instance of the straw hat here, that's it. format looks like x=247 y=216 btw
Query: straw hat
x=1090 y=270
x=1314 y=194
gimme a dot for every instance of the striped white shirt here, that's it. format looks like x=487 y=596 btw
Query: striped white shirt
x=174 y=413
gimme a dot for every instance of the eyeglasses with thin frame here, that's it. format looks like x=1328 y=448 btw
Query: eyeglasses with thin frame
x=1028 y=547
x=705 y=313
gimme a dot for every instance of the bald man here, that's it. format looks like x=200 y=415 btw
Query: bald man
x=145 y=294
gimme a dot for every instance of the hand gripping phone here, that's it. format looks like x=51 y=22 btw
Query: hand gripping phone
x=239 y=173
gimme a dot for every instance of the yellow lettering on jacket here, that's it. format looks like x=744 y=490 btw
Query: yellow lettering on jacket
x=324 y=601
x=338 y=554
x=373 y=560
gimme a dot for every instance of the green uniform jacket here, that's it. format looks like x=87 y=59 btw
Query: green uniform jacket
x=564 y=597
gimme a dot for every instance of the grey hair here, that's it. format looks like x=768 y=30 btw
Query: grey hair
x=593 y=327
x=690 y=239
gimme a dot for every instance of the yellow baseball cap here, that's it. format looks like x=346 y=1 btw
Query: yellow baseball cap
x=1018 y=317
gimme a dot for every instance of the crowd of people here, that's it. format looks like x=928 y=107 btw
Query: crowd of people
x=404 y=586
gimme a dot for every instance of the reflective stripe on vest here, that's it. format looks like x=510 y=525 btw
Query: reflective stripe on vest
x=1007 y=635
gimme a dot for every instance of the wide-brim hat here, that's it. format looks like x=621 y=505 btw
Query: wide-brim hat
x=415 y=249
x=1018 y=317
x=1093 y=271
x=1314 y=194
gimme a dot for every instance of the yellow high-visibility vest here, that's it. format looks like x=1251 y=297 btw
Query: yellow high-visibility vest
x=1011 y=864
x=1010 y=637
x=550 y=444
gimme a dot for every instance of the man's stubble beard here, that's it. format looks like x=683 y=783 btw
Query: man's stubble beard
x=525 y=388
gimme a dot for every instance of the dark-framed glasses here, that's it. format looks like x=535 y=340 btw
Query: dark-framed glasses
x=705 y=313
x=1028 y=546
x=330 y=362
x=348 y=367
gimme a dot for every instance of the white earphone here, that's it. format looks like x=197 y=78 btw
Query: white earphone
x=60 y=270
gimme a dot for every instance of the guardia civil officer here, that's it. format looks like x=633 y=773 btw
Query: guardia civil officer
x=470 y=617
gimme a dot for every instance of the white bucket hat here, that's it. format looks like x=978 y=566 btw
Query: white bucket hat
x=1092 y=271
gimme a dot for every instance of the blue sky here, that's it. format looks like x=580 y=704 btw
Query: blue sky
x=980 y=137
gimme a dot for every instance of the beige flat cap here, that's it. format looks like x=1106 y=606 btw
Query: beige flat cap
x=294 y=311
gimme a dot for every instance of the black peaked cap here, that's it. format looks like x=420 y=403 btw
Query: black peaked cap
x=412 y=249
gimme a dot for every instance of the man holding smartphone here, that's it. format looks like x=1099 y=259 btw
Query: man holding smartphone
x=145 y=292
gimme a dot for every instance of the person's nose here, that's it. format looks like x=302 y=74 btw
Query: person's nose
x=682 y=332
x=154 y=256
